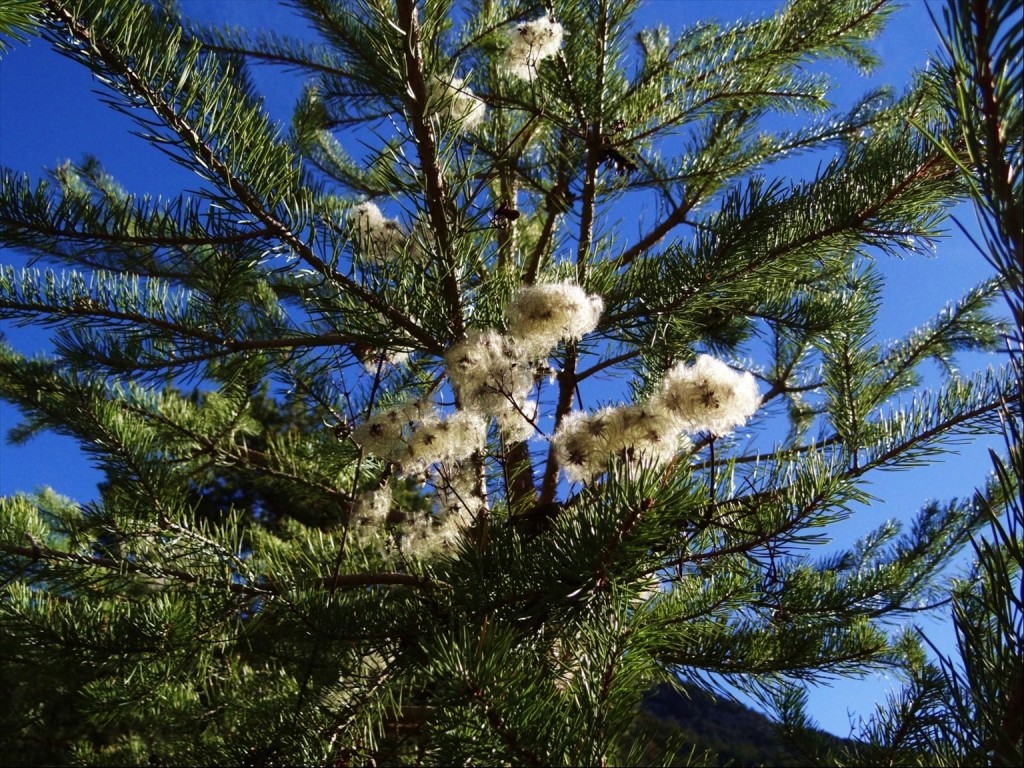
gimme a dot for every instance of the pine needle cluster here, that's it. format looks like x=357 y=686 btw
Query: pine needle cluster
x=414 y=452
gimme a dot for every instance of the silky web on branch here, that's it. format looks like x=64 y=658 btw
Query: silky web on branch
x=493 y=375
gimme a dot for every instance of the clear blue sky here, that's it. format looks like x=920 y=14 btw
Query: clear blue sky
x=50 y=112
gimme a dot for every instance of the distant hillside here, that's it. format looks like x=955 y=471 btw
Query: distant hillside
x=727 y=732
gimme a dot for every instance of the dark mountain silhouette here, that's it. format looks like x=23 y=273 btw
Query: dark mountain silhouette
x=717 y=731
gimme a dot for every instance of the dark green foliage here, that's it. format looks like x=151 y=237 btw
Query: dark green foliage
x=968 y=708
x=311 y=549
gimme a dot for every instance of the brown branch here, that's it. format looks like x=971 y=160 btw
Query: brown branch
x=354 y=580
x=520 y=493
x=567 y=379
x=616 y=537
x=426 y=148
x=497 y=722
x=566 y=389
x=676 y=218
x=88 y=309
x=342 y=581
x=153 y=240
x=1005 y=750
x=995 y=140
x=608 y=363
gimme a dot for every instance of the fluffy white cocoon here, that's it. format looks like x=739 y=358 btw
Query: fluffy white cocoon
x=371 y=507
x=455 y=438
x=377 y=237
x=638 y=432
x=488 y=370
x=517 y=421
x=374 y=360
x=540 y=316
x=586 y=442
x=708 y=396
x=415 y=437
x=578 y=446
x=459 y=102
x=457 y=499
x=529 y=43
x=428 y=537
x=386 y=434
x=456 y=505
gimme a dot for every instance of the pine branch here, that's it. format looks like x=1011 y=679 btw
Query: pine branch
x=436 y=193
x=223 y=173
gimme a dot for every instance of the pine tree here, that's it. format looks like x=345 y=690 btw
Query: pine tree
x=364 y=500
x=968 y=709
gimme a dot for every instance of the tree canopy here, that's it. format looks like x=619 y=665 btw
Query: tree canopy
x=369 y=496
